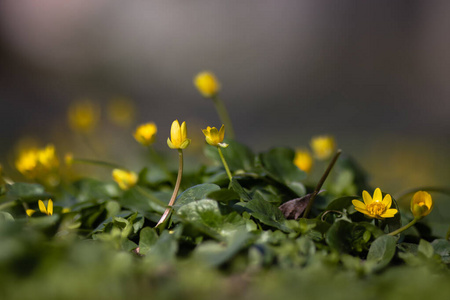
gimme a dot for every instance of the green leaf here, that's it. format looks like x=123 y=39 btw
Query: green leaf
x=204 y=211
x=395 y=222
x=195 y=193
x=442 y=247
x=266 y=213
x=215 y=254
x=279 y=165
x=164 y=249
x=28 y=192
x=348 y=237
x=236 y=186
x=6 y=217
x=426 y=249
x=223 y=195
x=237 y=155
x=147 y=238
x=382 y=251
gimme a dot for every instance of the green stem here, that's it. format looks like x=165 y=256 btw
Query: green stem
x=395 y=232
x=321 y=182
x=224 y=116
x=224 y=163
x=96 y=163
x=175 y=191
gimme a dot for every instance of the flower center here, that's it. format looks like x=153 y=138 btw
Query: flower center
x=376 y=208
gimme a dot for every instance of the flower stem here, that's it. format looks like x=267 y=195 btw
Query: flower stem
x=319 y=185
x=224 y=163
x=175 y=191
x=395 y=232
x=224 y=116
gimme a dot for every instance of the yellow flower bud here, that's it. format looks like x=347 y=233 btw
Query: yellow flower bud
x=303 y=160
x=83 y=116
x=125 y=179
x=207 y=84
x=215 y=137
x=323 y=146
x=178 y=136
x=421 y=204
x=145 y=134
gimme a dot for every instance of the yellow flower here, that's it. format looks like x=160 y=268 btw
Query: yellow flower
x=48 y=211
x=145 y=134
x=68 y=158
x=303 y=160
x=37 y=162
x=27 y=162
x=323 y=146
x=83 y=116
x=215 y=137
x=178 y=136
x=121 y=111
x=125 y=179
x=207 y=84
x=377 y=207
x=421 y=204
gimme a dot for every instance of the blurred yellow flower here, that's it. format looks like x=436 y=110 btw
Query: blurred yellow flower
x=121 y=111
x=178 y=136
x=323 y=146
x=125 y=179
x=145 y=134
x=421 y=204
x=68 y=158
x=45 y=210
x=215 y=137
x=37 y=162
x=207 y=84
x=83 y=116
x=303 y=160
x=378 y=207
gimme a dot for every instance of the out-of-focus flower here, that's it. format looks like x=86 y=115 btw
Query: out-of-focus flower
x=125 y=179
x=215 y=137
x=145 y=134
x=37 y=162
x=421 y=204
x=45 y=210
x=178 y=136
x=207 y=84
x=376 y=207
x=323 y=146
x=83 y=116
x=121 y=111
x=68 y=159
x=303 y=160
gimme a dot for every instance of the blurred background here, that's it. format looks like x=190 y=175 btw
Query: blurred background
x=374 y=74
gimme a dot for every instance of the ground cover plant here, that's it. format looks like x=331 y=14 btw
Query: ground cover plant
x=244 y=225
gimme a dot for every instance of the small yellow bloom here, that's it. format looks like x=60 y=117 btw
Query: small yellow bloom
x=303 y=160
x=207 y=84
x=37 y=162
x=45 y=210
x=323 y=146
x=68 y=158
x=121 y=111
x=125 y=179
x=178 y=136
x=215 y=137
x=145 y=134
x=83 y=116
x=421 y=204
x=378 y=207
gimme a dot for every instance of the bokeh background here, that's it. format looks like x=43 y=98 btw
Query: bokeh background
x=372 y=73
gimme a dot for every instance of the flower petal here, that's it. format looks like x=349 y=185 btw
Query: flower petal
x=50 y=207
x=222 y=133
x=175 y=134
x=42 y=207
x=364 y=211
x=387 y=201
x=30 y=212
x=169 y=143
x=389 y=213
x=359 y=204
x=377 y=196
x=367 y=198
x=183 y=132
